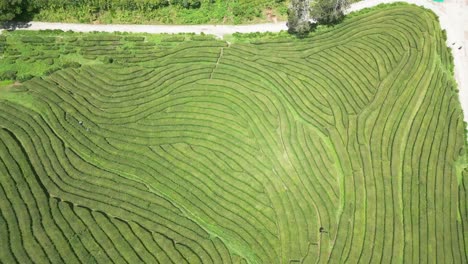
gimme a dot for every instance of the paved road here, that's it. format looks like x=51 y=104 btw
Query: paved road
x=453 y=16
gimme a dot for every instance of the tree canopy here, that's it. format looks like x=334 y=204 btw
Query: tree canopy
x=9 y=9
x=328 y=11
x=302 y=12
x=299 y=17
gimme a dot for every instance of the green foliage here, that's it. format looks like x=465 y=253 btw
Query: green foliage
x=298 y=22
x=71 y=64
x=24 y=77
x=134 y=38
x=174 y=39
x=51 y=70
x=32 y=39
x=293 y=18
x=8 y=75
x=9 y=9
x=202 y=38
x=38 y=53
x=49 y=61
x=329 y=11
x=108 y=60
x=139 y=11
x=345 y=146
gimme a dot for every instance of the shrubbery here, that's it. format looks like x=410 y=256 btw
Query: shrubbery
x=108 y=60
x=138 y=11
x=202 y=38
x=49 y=61
x=24 y=78
x=174 y=39
x=51 y=70
x=71 y=64
x=134 y=38
x=8 y=75
x=102 y=38
x=32 y=39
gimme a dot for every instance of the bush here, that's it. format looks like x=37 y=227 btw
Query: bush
x=51 y=70
x=444 y=34
x=71 y=64
x=145 y=44
x=49 y=39
x=108 y=60
x=134 y=38
x=52 y=31
x=102 y=38
x=90 y=57
x=202 y=38
x=32 y=39
x=13 y=52
x=71 y=39
x=49 y=61
x=174 y=39
x=25 y=77
x=8 y=75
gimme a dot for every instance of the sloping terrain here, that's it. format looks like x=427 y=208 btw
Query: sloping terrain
x=348 y=146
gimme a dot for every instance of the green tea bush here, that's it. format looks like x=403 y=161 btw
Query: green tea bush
x=346 y=146
x=8 y=75
x=174 y=39
x=32 y=39
x=25 y=77
x=145 y=44
x=13 y=52
x=71 y=64
x=134 y=38
x=90 y=57
x=102 y=38
x=49 y=61
x=71 y=39
x=51 y=70
x=108 y=60
x=202 y=38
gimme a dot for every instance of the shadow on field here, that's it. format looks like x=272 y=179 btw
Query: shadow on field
x=13 y=25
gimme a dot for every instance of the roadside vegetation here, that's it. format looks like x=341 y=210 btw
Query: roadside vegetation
x=145 y=11
x=305 y=15
x=28 y=54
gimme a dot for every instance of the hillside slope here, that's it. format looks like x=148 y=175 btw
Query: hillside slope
x=348 y=146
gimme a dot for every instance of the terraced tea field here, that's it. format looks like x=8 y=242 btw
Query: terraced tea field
x=348 y=146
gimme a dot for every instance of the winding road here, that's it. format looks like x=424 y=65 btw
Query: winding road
x=453 y=16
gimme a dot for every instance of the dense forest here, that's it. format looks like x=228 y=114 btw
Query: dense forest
x=141 y=11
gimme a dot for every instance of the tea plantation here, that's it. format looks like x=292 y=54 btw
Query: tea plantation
x=347 y=146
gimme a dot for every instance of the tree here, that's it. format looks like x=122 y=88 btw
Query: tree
x=9 y=9
x=328 y=11
x=299 y=17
